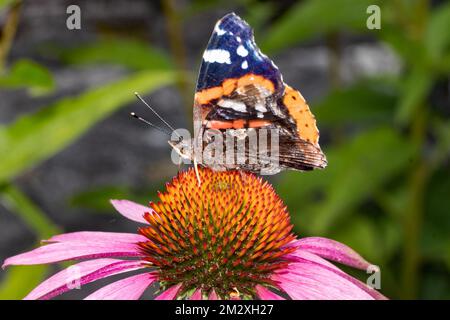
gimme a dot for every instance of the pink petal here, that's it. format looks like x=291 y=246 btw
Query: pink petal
x=94 y=236
x=130 y=288
x=169 y=294
x=81 y=273
x=265 y=294
x=62 y=251
x=333 y=250
x=369 y=290
x=197 y=295
x=302 y=256
x=213 y=295
x=308 y=280
x=131 y=210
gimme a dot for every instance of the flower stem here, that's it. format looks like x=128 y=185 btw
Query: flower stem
x=8 y=32
x=419 y=174
x=413 y=216
x=178 y=49
x=334 y=54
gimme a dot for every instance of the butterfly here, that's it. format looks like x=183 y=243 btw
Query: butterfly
x=241 y=94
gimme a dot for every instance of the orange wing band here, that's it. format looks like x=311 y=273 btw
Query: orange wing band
x=299 y=110
x=229 y=85
x=236 y=124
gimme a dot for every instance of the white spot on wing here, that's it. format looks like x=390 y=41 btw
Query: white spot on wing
x=220 y=32
x=242 y=51
x=244 y=64
x=260 y=107
x=231 y=104
x=217 y=55
x=238 y=39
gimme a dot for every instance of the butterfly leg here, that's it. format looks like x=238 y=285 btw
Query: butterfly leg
x=196 y=171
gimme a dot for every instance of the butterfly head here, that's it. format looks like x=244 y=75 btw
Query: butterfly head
x=183 y=147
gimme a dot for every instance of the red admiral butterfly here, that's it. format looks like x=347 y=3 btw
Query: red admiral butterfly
x=240 y=91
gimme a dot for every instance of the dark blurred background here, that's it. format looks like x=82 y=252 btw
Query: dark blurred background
x=380 y=96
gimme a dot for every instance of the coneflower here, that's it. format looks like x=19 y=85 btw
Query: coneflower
x=229 y=238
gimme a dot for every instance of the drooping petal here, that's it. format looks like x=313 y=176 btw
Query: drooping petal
x=369 y=290
x=265 y=294
x=131 y=210
x=169 y=294
x=80 y=274
x=311 y=281
x=301 y=256
x=197 y=295
x=62 y=251
x=94 y=236
x=213 y=295
x=130 y=288
x=333 y=250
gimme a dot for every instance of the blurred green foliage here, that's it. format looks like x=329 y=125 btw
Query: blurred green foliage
x=30 y=75
x=308 y=19
x=383 y=192
x=97 y=199
x=5 y=3
x=386 y=190
x=35 y=137
x=20 y=281
x=132 y=54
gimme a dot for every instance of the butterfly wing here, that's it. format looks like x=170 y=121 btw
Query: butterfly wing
x=239 y=87
x=232 y=53
x=232 y=60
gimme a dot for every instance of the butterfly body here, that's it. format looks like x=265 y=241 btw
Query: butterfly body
x=241 y=95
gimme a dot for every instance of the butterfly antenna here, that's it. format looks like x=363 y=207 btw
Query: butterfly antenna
x=156 y=113
x=134 y=115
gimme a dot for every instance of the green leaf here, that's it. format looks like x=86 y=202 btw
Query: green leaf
x=314 y=18
x=437 y=37
x=416 y=87
x=133 y=54
x=19 y=281
x=411 y=50
x=36 y=137
x=28 y=74
x=18 y=203
x=364 y=102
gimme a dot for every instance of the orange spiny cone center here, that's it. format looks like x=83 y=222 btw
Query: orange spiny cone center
x=227 y=234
